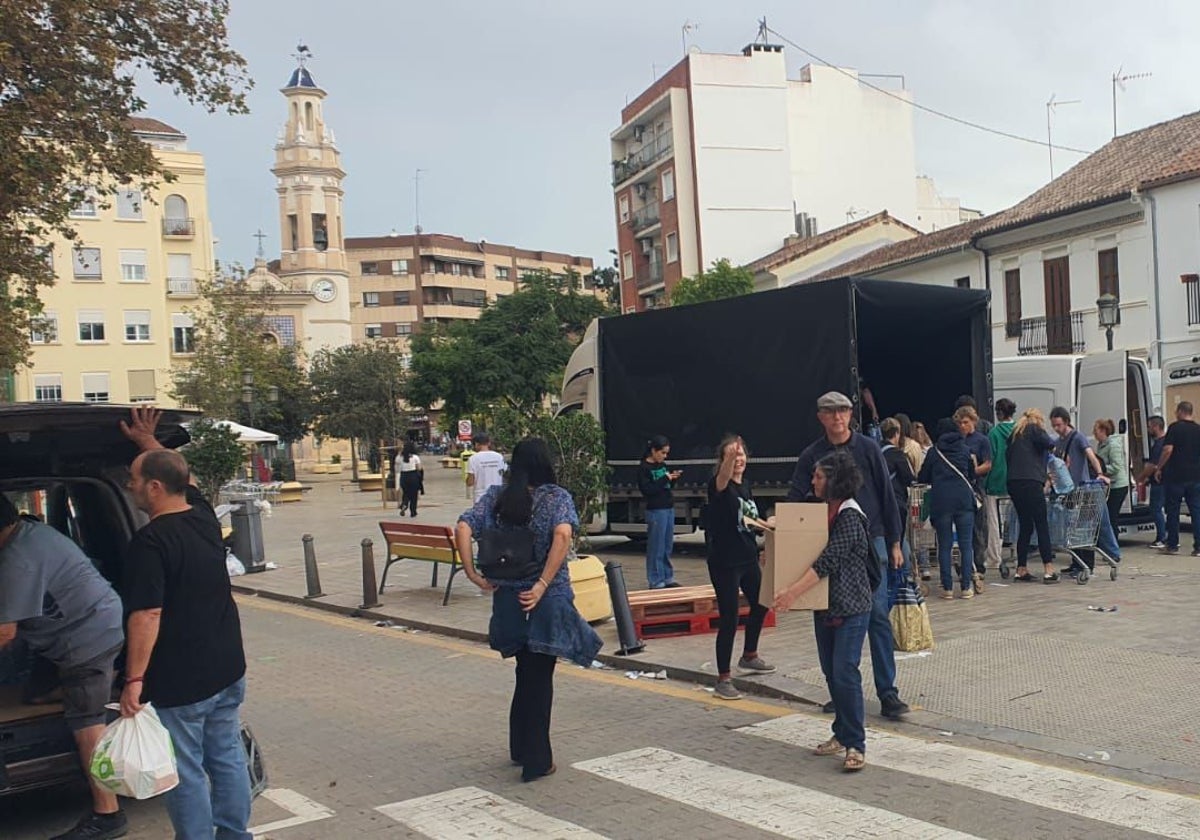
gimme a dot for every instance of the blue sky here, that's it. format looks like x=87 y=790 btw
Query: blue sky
x=508 y=106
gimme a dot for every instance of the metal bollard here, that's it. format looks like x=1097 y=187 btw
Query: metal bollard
x=626 y=633
x=312 y=579
x=370 y=591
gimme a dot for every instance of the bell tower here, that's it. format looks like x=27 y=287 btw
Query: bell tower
x=308 y=179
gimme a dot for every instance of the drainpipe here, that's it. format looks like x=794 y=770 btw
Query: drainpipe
x=990 y=354
x=1138 y=197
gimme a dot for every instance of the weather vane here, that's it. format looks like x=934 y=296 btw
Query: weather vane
x=302 y=54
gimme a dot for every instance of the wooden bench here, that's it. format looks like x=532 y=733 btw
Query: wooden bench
x=431 y=543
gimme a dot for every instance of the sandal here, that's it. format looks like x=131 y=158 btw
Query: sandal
x=1025 y=578
x=1050 y=578
x=947 y=595
x=854 y=761
x=830 y=747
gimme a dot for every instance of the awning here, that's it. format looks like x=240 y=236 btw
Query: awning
x=444 y=258
x=246 y=434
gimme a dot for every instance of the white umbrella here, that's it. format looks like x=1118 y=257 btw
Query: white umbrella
x=246 y=434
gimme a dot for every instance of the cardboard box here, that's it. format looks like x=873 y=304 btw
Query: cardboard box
x=800 y=534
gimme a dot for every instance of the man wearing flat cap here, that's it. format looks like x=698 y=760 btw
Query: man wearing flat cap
x=878 y=503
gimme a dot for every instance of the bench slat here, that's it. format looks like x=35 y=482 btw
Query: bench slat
x=416 y=552
x=390 y=528
x=415 y=539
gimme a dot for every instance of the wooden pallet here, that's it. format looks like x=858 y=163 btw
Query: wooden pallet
x=678 y=601
x=663 y=626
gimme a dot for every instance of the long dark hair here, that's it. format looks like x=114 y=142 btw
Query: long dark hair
x=655 y=442
x=530 y=467
x=842 y=476
x=408 y=451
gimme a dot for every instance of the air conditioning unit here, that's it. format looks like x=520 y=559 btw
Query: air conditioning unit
x=647 y=246
x=638 y=131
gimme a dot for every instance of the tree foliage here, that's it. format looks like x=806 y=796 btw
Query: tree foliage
x=357 y=391
x=214 y=456
x=513 y=355
x=68 y=85
x=723 y=280
x=229 y=341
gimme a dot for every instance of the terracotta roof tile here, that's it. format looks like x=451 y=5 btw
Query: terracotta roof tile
x=148 y=125
x=941 y=241
x=800 y=247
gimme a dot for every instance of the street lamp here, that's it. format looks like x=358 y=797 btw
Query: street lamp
x=249 y=393
x=1109 y=307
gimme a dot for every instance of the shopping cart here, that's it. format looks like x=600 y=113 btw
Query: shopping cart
x=922 y=539
x=1075 y=520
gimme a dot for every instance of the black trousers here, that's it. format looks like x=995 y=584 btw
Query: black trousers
x=727 y=580
x=529 y=716
x=1030 y=503
x=410 y=486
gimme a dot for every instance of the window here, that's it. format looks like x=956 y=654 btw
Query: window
x=501 y=272
x=374 y=330
x=624 y=205
x=47 y=387
x=95 y=387
x=294 y=231
x=668 y=185
x=627 y=265
x=86 y=207
x=183 y=333
x=320 y=231
x=175 y=207
x=370 y=298
x=403 y=329
x=129 y=204
x=672 y=247
x=141 y=386
x=399 y=266
x=179 y=274
x=369 y=267
x=44 y=329
x=962 y=282
x=91 y=325
x=456 y=269
x=137 y=325
x=400 y=298
x=430 y=267
x=1012 y=303
x=133 y=265
x=87 y=263
x=1110 y=280
x=468 y=297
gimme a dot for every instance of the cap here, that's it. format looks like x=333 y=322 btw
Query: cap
x=833 y=400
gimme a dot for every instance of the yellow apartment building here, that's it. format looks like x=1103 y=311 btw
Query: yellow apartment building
x=398 y=282
x=115 y=320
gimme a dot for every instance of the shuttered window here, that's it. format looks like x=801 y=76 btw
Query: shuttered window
x=1012 y=303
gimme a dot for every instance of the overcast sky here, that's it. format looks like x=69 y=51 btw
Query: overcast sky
x=508 y=106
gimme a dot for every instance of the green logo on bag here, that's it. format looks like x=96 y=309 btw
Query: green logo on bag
x=102 y=767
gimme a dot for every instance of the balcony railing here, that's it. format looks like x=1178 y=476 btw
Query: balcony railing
x=652 y=276
x=1062 y=335
x=644 y=217
x=652 y=151
x=181 y=286
x=179 y=228
x=1192 y=282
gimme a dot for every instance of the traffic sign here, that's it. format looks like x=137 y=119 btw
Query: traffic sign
x=464 y=429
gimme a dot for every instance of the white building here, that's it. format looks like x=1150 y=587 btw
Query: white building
x=724 y=156
x=1124 y=221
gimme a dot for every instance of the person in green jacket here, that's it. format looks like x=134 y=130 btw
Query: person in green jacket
x=996 y=483
x=1110 y=449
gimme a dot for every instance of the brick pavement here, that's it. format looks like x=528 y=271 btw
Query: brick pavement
x=1023 y=664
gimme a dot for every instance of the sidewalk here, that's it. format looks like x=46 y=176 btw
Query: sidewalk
x=1024 y=664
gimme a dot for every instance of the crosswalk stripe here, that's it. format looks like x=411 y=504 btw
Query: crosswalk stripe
x=781 y=807
x=473 y=812
x=1083 y=794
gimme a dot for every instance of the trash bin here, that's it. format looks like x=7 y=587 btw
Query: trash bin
x=247 y=539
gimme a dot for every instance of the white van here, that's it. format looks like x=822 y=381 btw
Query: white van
x=1111 y=385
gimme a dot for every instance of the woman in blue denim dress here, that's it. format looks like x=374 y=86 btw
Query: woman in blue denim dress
x=534 y=619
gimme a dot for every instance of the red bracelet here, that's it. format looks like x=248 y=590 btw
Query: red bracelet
x=132 y=680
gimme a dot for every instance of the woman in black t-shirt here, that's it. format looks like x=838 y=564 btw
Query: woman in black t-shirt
x=733 y=564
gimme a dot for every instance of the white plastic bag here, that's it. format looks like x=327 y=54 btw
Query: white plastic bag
x=135 y=756
x=233 y=565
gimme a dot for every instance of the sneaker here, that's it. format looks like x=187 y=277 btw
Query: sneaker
x=726 y=691
x=1195 y=553
x=755 y=666
x=828 y=708
x=925 y=575
x=672 y=585
x=1166 y=549
x=893 y=708
x=1158 y=544
x=968 y=592
x=947 y=595
x=97 y=827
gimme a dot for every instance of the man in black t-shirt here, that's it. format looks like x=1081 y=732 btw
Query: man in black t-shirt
x=184 y=649
x=1179 y=471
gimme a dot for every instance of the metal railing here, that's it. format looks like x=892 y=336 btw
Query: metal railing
x=1193 y=300
x=652 y=151
x=179 y=227
x=181 y=286
x=644 y=217
x=652 y=276
x=1061 y=335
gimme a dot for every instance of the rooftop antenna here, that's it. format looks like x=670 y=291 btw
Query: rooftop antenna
x=688 y=26
x=1118 y=81
x=260 y=236
x=417 y=199
x=1051 y=108
x=762 y=31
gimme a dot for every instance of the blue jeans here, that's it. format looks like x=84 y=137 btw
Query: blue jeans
x=840 y=649
x=879 y=632
x=947 y=525
x=660 y=539
x=1158 y=506
x=1177 y=493
x=214 y=784
x=1106 y=539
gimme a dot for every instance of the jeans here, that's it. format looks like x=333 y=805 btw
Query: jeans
x=947 y=525
x=660 y=539
x=1030 y=504
x=879 y=632
x=214 y=784
x=1177 y=493
x=726 y=581
x=990 y=558
x=1158 y=507
x=840 y=649
x=529 y=715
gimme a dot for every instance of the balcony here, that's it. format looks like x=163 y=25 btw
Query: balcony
x=644 y=217
x=651 y=276
x=652 y=151
x=1058 y=336
x=1192 y=283
x=179 y=228
x=180 y=287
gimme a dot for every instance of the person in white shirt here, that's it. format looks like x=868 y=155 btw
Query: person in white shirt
x=486 y=467
x=410 y=478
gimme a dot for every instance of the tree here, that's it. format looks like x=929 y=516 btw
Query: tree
x=723 y=280
x=68 y=86
x=214 y=456
x=513 y=355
